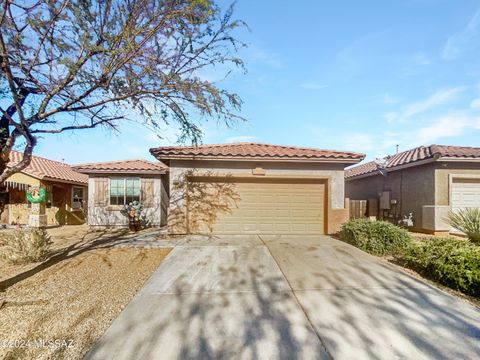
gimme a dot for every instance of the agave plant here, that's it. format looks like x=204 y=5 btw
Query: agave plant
x=467 y=221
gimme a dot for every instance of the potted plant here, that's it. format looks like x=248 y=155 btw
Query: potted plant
x=133 y=211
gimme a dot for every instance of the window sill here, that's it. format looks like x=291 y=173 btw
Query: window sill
x=114 y=207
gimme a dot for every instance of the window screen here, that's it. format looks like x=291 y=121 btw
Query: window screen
x=124 y=190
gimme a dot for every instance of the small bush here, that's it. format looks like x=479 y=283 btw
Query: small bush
x=450 y=261
x=375 y=237
x=25 y=246
x=467 y=221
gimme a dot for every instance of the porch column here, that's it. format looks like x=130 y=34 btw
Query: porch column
x=37 y=217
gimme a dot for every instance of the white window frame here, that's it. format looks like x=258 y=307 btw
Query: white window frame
x=124 y=178
x=74 y=206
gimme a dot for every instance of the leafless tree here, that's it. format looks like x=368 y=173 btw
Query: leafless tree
x=78 y=64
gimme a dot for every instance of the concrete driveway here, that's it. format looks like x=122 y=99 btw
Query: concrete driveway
x=287 y=297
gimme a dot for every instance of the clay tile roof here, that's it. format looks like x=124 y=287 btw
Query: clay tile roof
x=45 y=169
x=362 y=169
x=456 y=151
x=123 y=166
x=414 y=155
x=252 y=150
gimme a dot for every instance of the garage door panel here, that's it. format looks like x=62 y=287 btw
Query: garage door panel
x=465 y=194
x=268 y=207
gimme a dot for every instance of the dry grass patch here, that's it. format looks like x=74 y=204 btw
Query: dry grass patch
x=75 y=298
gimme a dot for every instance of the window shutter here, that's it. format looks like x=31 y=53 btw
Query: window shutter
x=147 y=192
x=101 y=192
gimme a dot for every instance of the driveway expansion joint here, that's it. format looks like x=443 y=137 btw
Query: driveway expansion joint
x=322 y=342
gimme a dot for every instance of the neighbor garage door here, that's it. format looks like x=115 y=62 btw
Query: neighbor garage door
x=465 y=193
x=260 y=206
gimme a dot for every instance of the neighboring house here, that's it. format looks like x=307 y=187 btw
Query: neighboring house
x=116 y=183
x=250 y=188
x=427 y=181
x=66 y=190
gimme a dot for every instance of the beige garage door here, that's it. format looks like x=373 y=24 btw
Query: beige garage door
x=227 y=206
x=465 y=193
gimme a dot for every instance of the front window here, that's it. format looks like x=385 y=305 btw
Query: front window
x=77 y=194
x=124 y=190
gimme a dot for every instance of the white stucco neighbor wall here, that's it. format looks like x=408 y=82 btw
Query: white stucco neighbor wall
x=99 y=216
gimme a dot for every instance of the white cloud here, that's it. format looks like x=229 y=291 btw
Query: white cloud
x=437 y=130
x=359 y=142
x=390 y=100
x=435 y=100
x=459 y=42
x=475 y=104
x=421 y=59
x=312 y=86
x=265 y=56
x=241 y=138
x=391 y=117
x=443 y=127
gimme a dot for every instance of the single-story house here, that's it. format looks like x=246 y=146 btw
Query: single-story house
x=228 y=188
x=427 y=181
x=111 y=185
x=65 y=189
x=255 y=188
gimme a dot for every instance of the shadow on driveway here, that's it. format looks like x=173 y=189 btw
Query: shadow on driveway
x=283 y=298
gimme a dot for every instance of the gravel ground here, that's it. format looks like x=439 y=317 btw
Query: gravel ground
x=72 y=297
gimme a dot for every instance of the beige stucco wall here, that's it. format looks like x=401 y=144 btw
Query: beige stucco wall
x=444 y=171
x=412 y=187
x=426 y=190
x=332 y=173
x=60 y=213
x=105 y=216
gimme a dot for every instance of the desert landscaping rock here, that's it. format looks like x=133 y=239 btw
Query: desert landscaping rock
x=74 y=299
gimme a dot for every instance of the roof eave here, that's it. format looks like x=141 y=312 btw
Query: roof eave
x=48 y=178
x=258 y=158
x=459 y=159
x=395 y=168
x=364 y=175
x=133 y=172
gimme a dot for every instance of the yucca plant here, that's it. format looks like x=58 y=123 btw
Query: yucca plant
x=467 y=221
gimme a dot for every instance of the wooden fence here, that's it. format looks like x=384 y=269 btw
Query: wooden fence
x=358 y=209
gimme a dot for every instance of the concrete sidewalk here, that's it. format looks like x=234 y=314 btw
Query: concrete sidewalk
x=269 y=297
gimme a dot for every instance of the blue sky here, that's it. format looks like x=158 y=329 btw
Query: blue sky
x=347 y=75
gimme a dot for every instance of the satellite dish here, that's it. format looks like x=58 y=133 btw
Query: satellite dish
x=381 y=165
x=381 y=162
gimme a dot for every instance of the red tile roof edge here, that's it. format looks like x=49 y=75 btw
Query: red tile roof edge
x=415 y=155
x=121 y=166
x=251 y=150
x=46 y=169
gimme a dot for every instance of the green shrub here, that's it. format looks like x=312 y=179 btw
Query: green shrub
x=375 y=237
x=24 y=246
x=467 y=221
x=451 y=261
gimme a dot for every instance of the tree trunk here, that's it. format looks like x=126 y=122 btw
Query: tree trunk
x=5 y=128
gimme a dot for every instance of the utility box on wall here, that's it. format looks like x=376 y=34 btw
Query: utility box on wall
x=385 y=200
